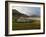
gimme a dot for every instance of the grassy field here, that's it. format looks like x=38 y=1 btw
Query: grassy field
x=35 y=24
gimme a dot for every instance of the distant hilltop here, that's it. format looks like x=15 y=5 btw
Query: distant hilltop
x=18 y=14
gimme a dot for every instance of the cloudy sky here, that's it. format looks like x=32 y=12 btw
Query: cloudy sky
x=28 y=10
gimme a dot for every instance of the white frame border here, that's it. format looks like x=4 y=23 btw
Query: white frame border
x=22 y=31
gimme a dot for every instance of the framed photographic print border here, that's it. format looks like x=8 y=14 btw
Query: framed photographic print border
x=6 y=18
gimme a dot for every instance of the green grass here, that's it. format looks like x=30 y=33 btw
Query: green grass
x=35 y=24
